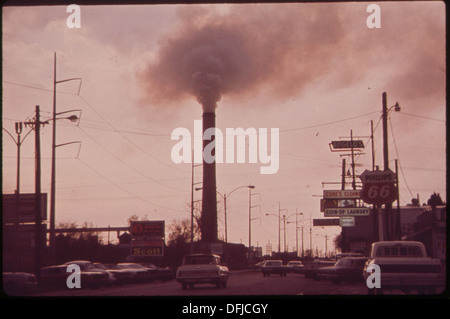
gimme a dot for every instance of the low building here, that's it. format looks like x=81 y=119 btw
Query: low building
x=415 y=222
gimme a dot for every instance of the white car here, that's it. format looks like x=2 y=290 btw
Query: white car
x=295 y=266
x=202 y=268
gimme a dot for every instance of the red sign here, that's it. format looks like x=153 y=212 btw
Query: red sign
x=378 y=187
x=147 y=229
x=147 y=238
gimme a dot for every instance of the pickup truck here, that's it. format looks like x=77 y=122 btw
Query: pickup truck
x=272 y=267
x=202 y=268
x=405 y=266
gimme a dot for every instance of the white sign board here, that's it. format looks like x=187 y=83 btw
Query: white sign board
x=347 y=211
x=341 y=194
x=347 y=221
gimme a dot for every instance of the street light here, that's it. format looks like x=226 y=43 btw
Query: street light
x=225 y=196
x=296 y=231
x=72 y=118
x=279 y=225
x=19 y=129
x=387 y=206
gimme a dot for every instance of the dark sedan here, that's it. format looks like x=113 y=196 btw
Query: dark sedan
x=346 y=269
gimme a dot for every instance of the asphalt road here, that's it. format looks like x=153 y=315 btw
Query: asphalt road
x=246 y=283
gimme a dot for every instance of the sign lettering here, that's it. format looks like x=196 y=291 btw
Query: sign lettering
x=354 y=211
x=347 y=144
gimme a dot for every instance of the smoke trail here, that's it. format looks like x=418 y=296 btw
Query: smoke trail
x=280 y=49
x=214 y=54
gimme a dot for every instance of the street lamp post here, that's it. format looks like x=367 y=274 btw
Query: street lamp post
x=72 y=118
x=296 y=231
x=279 y=225
x=388 y=206
x=225 y=197
x=52 y=190
x=19 y=129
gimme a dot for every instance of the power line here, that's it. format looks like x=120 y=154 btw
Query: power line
x=423 y=117
x=125 y=137
x=327 y=123
x=126 y=164
x=399 y=162
x=125 y=190
x=37 y=88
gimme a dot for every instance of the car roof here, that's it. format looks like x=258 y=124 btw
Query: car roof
x=197 y=255
x=78 y=262
x=354 y=258
x=54 y=266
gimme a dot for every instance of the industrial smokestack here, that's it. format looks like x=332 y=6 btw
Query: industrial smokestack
x=209 y=203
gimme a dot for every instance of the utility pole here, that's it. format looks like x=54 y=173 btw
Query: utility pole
x=279 y=228
x=19 y=126
x=373 y=145
x=398 y=228
x=388 y=206
x=284 y=228
x=192 y=199
x=343 y=230
x=296 y=233
x=36 y=124
x=54 y=146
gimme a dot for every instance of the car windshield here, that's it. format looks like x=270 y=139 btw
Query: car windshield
x=200 y=260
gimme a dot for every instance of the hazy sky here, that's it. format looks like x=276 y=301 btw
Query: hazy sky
x=315 y=71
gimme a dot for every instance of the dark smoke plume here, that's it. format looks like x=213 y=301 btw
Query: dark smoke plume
x=212 y=54
x=279 y=49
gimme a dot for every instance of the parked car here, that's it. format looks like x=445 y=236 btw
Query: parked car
x=123 y=276
x=18 y=283
x=54 y=276
x=272 y=267
x=312 y=267
x=294 y=266
x=259 y=265
x=202 y=268
x=164 y=274
x=112 y=278
x=346 y=269
x=91 y=276
x=139 y=273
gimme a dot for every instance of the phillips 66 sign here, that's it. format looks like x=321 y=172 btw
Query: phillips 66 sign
x=378 y=187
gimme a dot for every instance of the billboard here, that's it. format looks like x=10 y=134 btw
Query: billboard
x=147 y=228
x=326 y=222
x=147 y=247
x=27 y=207
x=338 y=203
x=147 y=238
